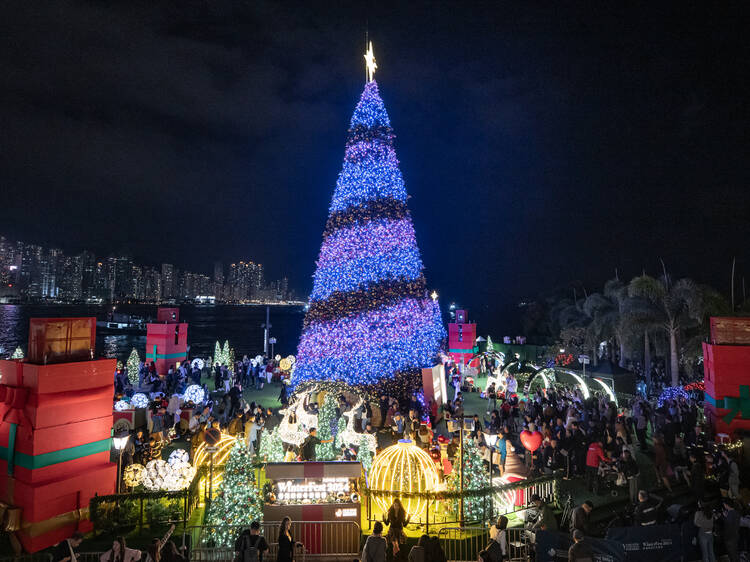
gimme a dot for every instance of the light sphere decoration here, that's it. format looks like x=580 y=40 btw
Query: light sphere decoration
x=285 y=364
x=178 y=457
x=198 y=362
x=404 y=468
x=122 y=405
x=133 y=475
x=195 y=394
x=157 y=472
x=139 y=400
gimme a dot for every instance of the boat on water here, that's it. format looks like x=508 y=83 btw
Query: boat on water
x=119 y=323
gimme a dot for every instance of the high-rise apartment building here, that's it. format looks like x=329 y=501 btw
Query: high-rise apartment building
x=167 y=281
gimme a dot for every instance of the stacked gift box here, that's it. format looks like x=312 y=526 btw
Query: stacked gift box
x=726 y=364
x=55 y=432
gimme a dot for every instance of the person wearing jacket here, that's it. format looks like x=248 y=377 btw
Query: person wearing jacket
x=594 y=455
x=418 y=553
x=120 y=553
x=375 y=546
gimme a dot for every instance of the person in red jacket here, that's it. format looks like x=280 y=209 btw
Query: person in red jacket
x=594 y=455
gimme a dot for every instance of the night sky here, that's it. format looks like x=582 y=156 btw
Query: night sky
x=540 y=145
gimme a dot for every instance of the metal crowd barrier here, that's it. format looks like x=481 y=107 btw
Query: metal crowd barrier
x=37 y=557
x=462 y=544
x=320 y=539
x=228 y=554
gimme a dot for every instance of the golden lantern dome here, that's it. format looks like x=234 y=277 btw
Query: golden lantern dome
x=403 y=468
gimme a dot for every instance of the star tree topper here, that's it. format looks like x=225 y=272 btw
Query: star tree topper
x=370 y=63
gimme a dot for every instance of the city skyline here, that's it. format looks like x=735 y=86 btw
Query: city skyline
x=36 y=273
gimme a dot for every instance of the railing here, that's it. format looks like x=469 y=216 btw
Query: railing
x=228 y=554
x=463 y=544
x=37 y=557
x=115 y=511
x=319 y=538
x=89 y=556
x=442 y=508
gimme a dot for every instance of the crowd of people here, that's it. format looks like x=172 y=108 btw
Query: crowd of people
x=607 y=445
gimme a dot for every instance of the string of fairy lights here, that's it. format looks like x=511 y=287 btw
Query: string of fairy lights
x=378 y=209
x=370 y=323
x=375 y=296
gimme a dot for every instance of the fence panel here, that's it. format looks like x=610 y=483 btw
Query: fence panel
x=37 y=557
x=319 y=538
x=462 y=544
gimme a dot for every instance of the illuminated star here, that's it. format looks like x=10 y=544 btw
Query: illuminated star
x=370 y=62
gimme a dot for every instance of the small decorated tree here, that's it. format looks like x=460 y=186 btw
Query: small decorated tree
x=238 y=501
x=339 y=442
x=133 y=363
x=225 y=354
x=326 y=417
x=17 y=354
x=490 y=345
x=475 y=478
x=217 y=353
x=271 y=447
x=364 y=455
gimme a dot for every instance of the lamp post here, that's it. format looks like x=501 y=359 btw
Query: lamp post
x=119 y=443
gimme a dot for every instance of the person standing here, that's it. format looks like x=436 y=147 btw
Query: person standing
x=580 y=551
x=704 y=520
x=731 y=530
x=308 y=447
x=418 y=553
x=375 y=546
x=397 y=519
x=250 y=545
x=286 y=541
x=120 y=553
x=499 y=534
x=579 y=521
x=64 y=551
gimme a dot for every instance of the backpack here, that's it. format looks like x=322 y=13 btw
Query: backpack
x=246 y=548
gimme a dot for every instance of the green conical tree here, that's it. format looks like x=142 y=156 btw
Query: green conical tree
x=364 y=455
x=326 y=416
x=225 y=354
x=238 y=501
x=475 y=478
x=271 y=447
x=134 y=361
x=217 y=353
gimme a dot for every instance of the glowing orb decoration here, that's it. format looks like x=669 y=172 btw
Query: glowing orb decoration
x=156 y=473
x=133 y=474
x=178 y=457
x=198 y=362
x=403 y=467
x=139 y=400
x=195 y=394
x=277 y=358
x=121 y=406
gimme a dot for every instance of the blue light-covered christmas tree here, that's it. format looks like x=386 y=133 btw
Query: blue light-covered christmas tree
x=370 y=322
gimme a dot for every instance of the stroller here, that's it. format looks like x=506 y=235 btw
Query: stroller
x=609 y=479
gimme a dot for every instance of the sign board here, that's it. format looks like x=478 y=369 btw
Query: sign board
x=584 y=359
x=272 y=340
x=212 y=436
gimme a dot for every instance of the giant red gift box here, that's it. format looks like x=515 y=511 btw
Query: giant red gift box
x=60 y=416
x=166 y=344
x=727 y=377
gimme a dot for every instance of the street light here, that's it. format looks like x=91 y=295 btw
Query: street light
x=120 y=443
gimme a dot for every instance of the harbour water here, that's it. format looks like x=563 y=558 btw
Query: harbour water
x=239 y=324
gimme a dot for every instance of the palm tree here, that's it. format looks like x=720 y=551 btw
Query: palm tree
x=669 y=307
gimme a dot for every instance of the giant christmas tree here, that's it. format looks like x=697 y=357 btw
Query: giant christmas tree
x=370 y=322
